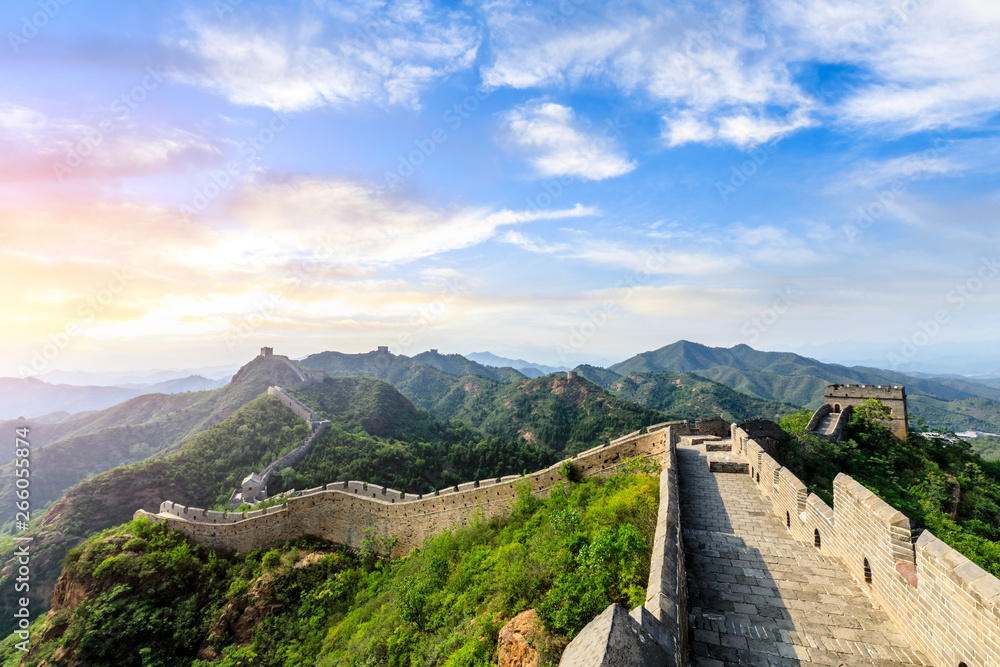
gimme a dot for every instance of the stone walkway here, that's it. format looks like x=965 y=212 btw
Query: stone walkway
x=758 y=597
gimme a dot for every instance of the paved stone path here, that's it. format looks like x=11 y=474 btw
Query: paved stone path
x=758 y=597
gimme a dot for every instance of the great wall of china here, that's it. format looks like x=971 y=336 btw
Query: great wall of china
x=946 y=609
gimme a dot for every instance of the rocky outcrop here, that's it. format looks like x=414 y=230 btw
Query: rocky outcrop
x=524 y=642
x=516 y=646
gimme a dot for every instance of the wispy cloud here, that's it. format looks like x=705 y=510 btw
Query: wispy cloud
x=40 y=146
x=560 y=144
x=530 y=244
x=364 y=225
x=357 y=54
x=929 y=64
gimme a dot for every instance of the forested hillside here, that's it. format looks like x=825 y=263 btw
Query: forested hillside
x=685 y=395
x=202 y=472
x=143 y=595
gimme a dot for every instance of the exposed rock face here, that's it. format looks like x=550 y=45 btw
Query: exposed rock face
x=521 y=640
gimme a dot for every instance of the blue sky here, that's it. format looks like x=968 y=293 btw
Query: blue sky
x=563 y=181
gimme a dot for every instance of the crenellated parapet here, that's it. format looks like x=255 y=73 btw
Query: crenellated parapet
x=945 y=605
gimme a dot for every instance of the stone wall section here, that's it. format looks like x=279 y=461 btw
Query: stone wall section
x=293 y=404
x=666 y=592
x=343 y=513
x=946 y=606
x=297 y=454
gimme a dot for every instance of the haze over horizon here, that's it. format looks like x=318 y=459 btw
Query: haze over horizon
x=565 y=182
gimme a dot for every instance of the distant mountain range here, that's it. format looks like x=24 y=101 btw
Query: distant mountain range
x=31 y=397
x=948 y=403
x=528 y=368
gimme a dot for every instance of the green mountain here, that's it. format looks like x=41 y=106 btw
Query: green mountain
x=379 y=436
x=456 y=364
x=791 y=378
x=563 y=415
x=690 y=396
x=969 y=414
x=597 y=375
x=420 y=383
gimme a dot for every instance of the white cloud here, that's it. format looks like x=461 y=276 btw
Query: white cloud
x=385 y=58
x=724 y=73
x=560 y=144
x=708 y=68
x=930 y=64
x=354 y=224
x=748 y=129
x=531 y=244
x=686 y=127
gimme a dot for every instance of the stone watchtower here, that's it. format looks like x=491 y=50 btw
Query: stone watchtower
x=267 y=351
x=840 y=396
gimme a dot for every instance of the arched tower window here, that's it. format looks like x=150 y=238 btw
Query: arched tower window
x=788 y=520
x=836 y=407
x=817 y=542
x=758 y=478
x=868 y=572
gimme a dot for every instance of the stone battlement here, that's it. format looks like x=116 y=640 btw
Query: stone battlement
x=865 y=391
x=945 y=605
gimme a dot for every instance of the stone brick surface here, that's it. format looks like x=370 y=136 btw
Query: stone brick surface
x=757 y=596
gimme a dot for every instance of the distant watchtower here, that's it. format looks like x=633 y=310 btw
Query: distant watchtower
x=383 y=348
x=267 y=351
x=840 y=396
x=571 y=375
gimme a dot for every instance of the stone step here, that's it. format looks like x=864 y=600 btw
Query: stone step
x=695 y=440
x=719 y=446
x=728 y=467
